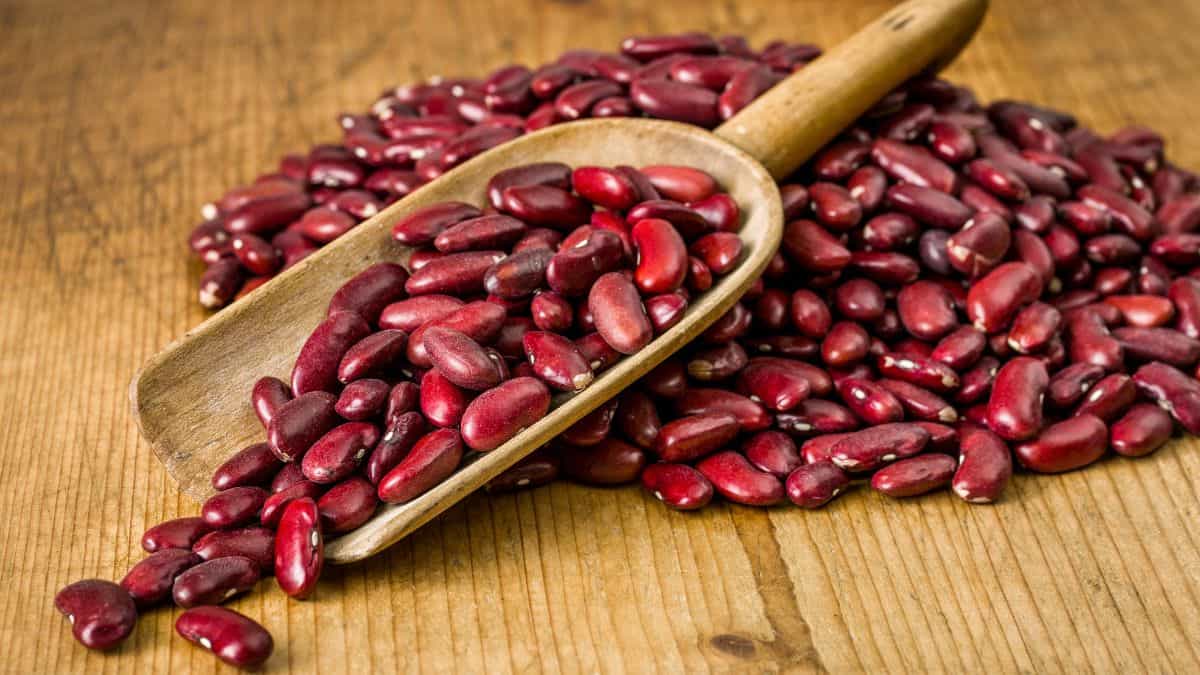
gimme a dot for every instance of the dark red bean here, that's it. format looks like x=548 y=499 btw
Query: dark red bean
x=995 y=299
x=1159 y=344
x=538 y=468
x=698 y=401
x=918 y=402
x=873 y=447
x=269 y=394
x=455 y=274
x=1033 y=328
x=930 y=206
x=637 y=419
x=1065 y=446
x=1068 y=386
x=363 y=399
x=692 y=437
x=739 y=482
x=232 y=507
x=677 y=485
x=610 y=462
x=409 y=315
x=101 y=613
x=214 y=581
x=574 y=269
x=177 y=533
x=149 y=581
x=1173 y=391
x=1015 y=407
x=717 y=363
x=913 y=165
x=316 y=366
x=915 y=475
x=253 y=465
x=423 y=226
x=926 y=310
x=400 y=433
x=299 y=548
x=773 y=452
x=220 y=282
x=984 y=466
x=817 y=416
x=300 y=422
x=431 y=460
x=1141 y=431
x=339 y=452
x=961 y=349
x=811 y=247
x=235 y=639
x=504 y=411
x=869 y=401
x=256 y=543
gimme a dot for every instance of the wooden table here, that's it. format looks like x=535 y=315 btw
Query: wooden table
x=122 y=118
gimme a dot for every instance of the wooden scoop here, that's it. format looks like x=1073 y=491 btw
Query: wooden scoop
x=192 y=400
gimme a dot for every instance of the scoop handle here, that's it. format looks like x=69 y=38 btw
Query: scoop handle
x=789 y=123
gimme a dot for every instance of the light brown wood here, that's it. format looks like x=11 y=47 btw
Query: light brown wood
x=191 y=401
x=121 y=119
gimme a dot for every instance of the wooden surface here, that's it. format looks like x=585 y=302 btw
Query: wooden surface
x=119 y=115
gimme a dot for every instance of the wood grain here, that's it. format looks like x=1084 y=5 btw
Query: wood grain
x=119 y=116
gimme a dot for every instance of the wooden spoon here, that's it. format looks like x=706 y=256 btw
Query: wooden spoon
x=192 y=400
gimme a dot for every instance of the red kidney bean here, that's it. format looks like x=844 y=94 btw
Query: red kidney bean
x=698 y=401
x=665 y=311
x=545 y=206
x=889 y=231
x=400 y=433
x=915 y=475
x=913 y=165
x=1143 y=311
x=869 y=401
x=339 y=452
x=423 y=226
x=409 y=315
x=815 y=484
x=840 y=159
x=814 y=249
x=403 y=398
x=1069 y=385
x=316 y=366
x=323 y=224
x=689 y=222
x=931 y=248
x=288 y=476
x=995 y=299
x=577 y=100
x=596 y=352
x=810 y=315
x=878 y=445
x=919 y=402
x=677 y=485
x=773 y=452
x=273 y=508
x=1091 y=341
x=551 y=312
x=926 y=310
x=1014 y=408
x=1179 y=214
x=1159 y=344
x=442 y=402
x=1084 y=218
x=519 y=275
x=834 y=207
x=556 y=360
x=980 y=245
x=606 y=187
x=269 y=394
x=868 y=186
x=859 y=300
x=362 y=399
x=1143 y=429
x=299 y=548
x=235 y=639
x=1132 y=219
x=817 y=416
x=984 y=466
x=502 y=412
x=663 y=256
x=739 y=482
x=149 y=581
x=1065 y=446
x=950 y=142
x=456 y=273
x=610 y=462
x=176 y=533
x=744 y=87
x=553 y=174
x=997 y=179
x=220 y=282
x=253 y=465
x=1184 y=294
x=460 y=359
x=675 y=101
x=720 y=211
x=591 y=428
x=720 y=251
x=1173 y=391
x=961 y=349
x=430 y=461
x=692 y=437
x=256 y=543
x=619 y=314
x=484 y=232
x=232 y=507
x=575 y=269
x=101 y=613
x=214 y=581
x=1112 y=280
x=300 y=422
x=1033 y=328
x=717 y=363
x=845 y=343
x=930 y=206
x=481 y=321
x=537 y=468
x=637 y=419
x=681 y=183
x=772 y=386
x=817 y=449
x=667 y=380
x=255 y=254
x=924 y=371
x=267 y=214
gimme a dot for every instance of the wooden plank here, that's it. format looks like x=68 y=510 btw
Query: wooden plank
x=120 y=115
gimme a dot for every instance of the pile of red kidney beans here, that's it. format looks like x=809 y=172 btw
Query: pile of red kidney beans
x=958 y=285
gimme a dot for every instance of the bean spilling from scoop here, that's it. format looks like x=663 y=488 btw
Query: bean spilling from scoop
x=962 y=291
